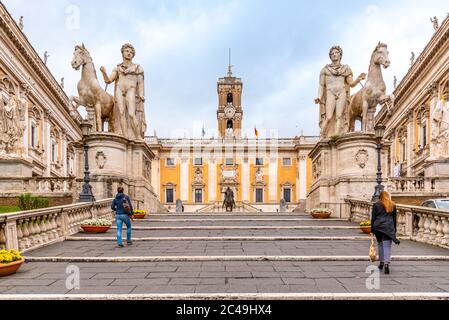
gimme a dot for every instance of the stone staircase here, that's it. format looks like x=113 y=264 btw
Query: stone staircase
x=231 y=256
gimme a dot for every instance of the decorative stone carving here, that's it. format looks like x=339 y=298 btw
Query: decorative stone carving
x=316 y=169
x=439 y=136
x=198 y=178
x=361 y=158
x=146 y=168
x=259 y=175
x=101 y=159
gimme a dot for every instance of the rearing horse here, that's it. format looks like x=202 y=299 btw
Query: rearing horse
x=363 y=104
x=91 y=95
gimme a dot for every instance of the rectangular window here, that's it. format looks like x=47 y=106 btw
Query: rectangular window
x=33 y=136
x=286 y=162
x=259 y=195
x=259 y=161
x=169 y=198
x=287 y=195
x=424 y=135
x=170 y=162
x=229 y=162
x=198 y=161
x=53 y=151
x=198 y=195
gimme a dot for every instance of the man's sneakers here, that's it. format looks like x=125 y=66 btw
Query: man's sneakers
x=120 y=245
x=130 y=243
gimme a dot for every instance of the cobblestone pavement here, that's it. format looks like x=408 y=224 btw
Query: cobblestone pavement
x=218 y=276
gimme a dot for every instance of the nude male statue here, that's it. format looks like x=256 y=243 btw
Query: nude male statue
x=334 y=92
x=129 y=92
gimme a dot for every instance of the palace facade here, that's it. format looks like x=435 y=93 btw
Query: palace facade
x=417 y=126
x=37 y=125
x=261 y=172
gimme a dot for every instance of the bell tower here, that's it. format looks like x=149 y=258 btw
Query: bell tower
x=230 y=113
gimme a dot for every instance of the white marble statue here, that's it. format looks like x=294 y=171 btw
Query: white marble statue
x=10 y=127
x=129 y=94
x=435 y=23
x=91 y=94
x=336 y=80
x=363 y=104
x=439 y=135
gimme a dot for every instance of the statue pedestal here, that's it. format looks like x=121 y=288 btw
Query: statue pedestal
x=115 y=161
x=343 y=168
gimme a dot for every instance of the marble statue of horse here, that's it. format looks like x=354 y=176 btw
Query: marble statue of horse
x=229 y=202
x=91 y=94
x=363 y=104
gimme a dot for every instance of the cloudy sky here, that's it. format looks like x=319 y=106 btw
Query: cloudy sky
x=278 y=49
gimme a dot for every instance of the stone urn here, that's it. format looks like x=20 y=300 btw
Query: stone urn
x=321 y=213
x=7 y=269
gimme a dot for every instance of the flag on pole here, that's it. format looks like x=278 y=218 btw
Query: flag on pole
x=256 y=132
x=203 y=131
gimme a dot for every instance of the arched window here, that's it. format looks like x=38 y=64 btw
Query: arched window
x=230 y=98
x=229 y=125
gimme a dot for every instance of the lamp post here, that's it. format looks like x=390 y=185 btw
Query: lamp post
x=86 y=194
x=379 y=130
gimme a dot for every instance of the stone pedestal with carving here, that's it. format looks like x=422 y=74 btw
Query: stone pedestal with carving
x=342 y=168
x=115 y=161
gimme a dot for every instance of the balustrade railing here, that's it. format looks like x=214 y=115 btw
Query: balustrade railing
x=412 y=185
x=29 y=230
x=39 y=185
x=421 y=224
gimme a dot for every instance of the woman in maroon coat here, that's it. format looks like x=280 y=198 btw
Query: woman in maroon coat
x=383 y=225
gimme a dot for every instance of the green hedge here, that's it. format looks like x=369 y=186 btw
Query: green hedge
x=29 y=202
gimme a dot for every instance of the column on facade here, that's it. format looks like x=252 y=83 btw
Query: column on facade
x=64 y=153
x=273 y=180
x=410 y=141
x=302 y=170
x=245 y=180
x=155 y=176
x=433 y=91
x=212 y=180
x=184 y=179
x=47 y=143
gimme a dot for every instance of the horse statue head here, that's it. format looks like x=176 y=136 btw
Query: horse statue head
x=80 y=57
x=380 y=55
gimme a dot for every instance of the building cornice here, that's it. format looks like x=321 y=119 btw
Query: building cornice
x=33 y=60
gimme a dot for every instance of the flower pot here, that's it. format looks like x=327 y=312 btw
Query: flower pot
x=95 y=229
x=321 y=214
x=10 y=268
x=139 y=215
x=366 y=229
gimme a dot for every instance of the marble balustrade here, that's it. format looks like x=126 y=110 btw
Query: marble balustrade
x=32 y=229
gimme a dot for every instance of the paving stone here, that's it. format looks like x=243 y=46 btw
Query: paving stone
x=36 y=290
x=164 y=289
x=124 y=275
x=85 y=283
x=104 y=290
x=139 y=282
x=26 y=282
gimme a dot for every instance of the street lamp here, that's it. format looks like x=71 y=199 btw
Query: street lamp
x=379 y=132
x=86 y=194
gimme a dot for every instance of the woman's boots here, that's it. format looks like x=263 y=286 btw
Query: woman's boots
x=387 y=268
x=381 y=266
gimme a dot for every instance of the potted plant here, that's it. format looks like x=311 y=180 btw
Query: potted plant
x=96 y=225
x=139 y=214
x=10 y=262
x=365 y=226
x=321 y=213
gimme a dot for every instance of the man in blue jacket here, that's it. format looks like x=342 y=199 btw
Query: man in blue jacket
x=122 y=204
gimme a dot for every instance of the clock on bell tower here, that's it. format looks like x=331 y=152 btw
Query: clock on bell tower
x=230 y=113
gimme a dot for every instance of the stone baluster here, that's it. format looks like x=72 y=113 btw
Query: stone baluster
x=433 y=228
x=427 y=224
x=439 y=231
x=54 y=226
x=422 y=220
x=26 y=231
x=33 y=231
x=445 y=240
x=2 y=236
x=43 y=229
x=20 y=233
